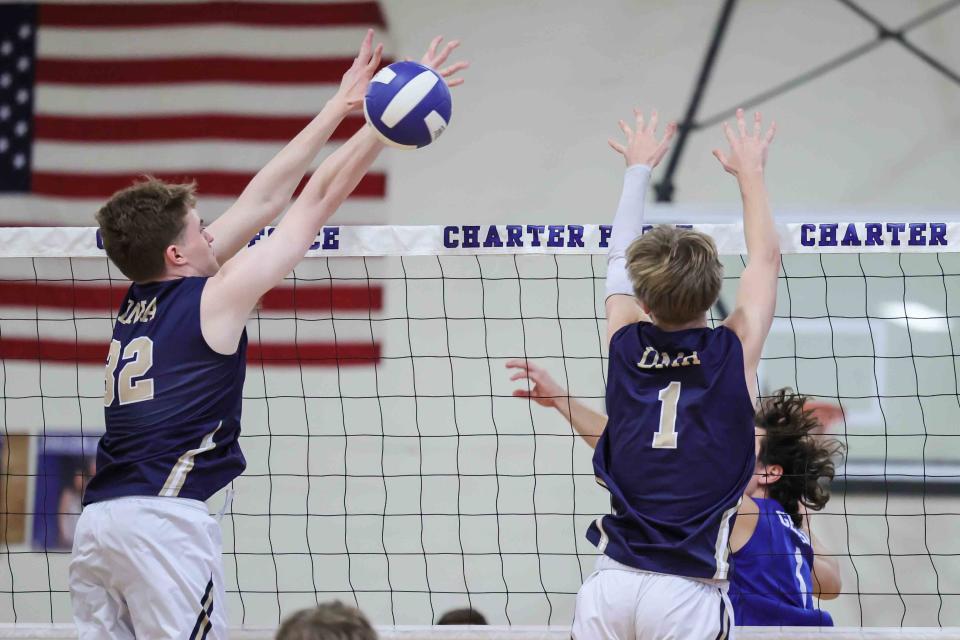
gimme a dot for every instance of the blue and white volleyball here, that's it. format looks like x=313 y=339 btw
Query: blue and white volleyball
x=408 y=104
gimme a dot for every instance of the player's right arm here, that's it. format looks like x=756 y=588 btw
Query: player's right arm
x=544 y=390
x=642 y=152
x=757 y=296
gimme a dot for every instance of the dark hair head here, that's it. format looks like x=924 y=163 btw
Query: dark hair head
x=328 y=621
x=139 y=223
x=807 y=458
x=462 y=616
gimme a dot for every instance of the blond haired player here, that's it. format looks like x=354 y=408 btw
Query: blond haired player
x=678 y=447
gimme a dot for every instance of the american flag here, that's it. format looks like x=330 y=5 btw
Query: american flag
x=94 y=95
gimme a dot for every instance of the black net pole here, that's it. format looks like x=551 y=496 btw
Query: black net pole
x=664 y=188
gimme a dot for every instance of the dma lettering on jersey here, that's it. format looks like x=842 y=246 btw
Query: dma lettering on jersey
x=874 y=234
x=653 y=359
x=138 y=311
x=327 y=240
x=513 y=235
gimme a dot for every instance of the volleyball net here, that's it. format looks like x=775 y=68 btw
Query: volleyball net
x=390 y=465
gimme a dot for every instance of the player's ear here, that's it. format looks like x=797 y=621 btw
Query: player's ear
x=173 y=257
x=771 y=474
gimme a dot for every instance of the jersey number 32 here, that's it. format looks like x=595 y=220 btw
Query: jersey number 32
x=130 y=385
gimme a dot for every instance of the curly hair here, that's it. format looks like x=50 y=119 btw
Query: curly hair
x=808 y=459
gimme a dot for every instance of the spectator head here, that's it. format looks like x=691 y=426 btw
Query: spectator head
x=462 y=616
x=328 y=621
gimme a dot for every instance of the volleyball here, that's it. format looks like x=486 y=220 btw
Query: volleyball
x=408 y=105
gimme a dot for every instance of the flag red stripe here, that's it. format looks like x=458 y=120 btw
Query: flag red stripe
x=187 y=127
x=52 y=295
x=211 y=183
x=339 y=297
x=49 y=295
x=154 y=71
x=275 y=354
x=314 y=354
x=172 y=14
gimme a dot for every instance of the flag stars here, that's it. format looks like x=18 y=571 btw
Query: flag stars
x=23 y=63
x=5 y=80
x=22 y=96
x=24 y=31
x=6 y=48
x=4 y=145
x=4 y=112
x=19 y=161
x=20 y=129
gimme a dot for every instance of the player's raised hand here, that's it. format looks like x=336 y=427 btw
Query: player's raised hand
x=542 y=389
x=353 y=86
x=748 y=149
x=642 y=146
x=434 y=59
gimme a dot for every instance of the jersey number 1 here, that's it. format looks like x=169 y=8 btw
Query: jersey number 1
x=666 y=435
x=139 y=356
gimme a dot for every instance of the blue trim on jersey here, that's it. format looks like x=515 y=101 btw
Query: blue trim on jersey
x=182 y=442
x=673 y=507
x=771 y=583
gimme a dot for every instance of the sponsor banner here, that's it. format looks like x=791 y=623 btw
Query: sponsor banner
x=917 y=236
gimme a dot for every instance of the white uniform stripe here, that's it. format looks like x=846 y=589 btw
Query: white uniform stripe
x=200 y=40
x=178 y=475
x=231 y=98
x=604 y=540
x=722 y=549
x=154 y=157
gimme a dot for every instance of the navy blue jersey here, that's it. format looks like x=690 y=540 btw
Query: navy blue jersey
x=678 y=449
x=172 y=404
x=770 y=584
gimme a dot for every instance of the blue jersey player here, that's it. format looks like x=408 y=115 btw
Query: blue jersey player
x=678 y=448
x=777 y=565
x=147 y=556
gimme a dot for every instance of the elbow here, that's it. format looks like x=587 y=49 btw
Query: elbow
x=830 y=585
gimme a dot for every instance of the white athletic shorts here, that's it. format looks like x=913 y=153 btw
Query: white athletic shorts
x=622 y=603
x=148 y=568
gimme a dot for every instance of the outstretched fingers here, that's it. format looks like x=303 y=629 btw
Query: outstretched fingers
x=654 y=119
x=771 y=132
x=665 y=143
x=439 y=59
x=432 y=49
x=741 y=123
x=719 y=155
x=375 y=59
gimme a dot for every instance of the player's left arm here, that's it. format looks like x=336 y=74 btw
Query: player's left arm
x=757 y=295
x=642 y=152
x=269 y=192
